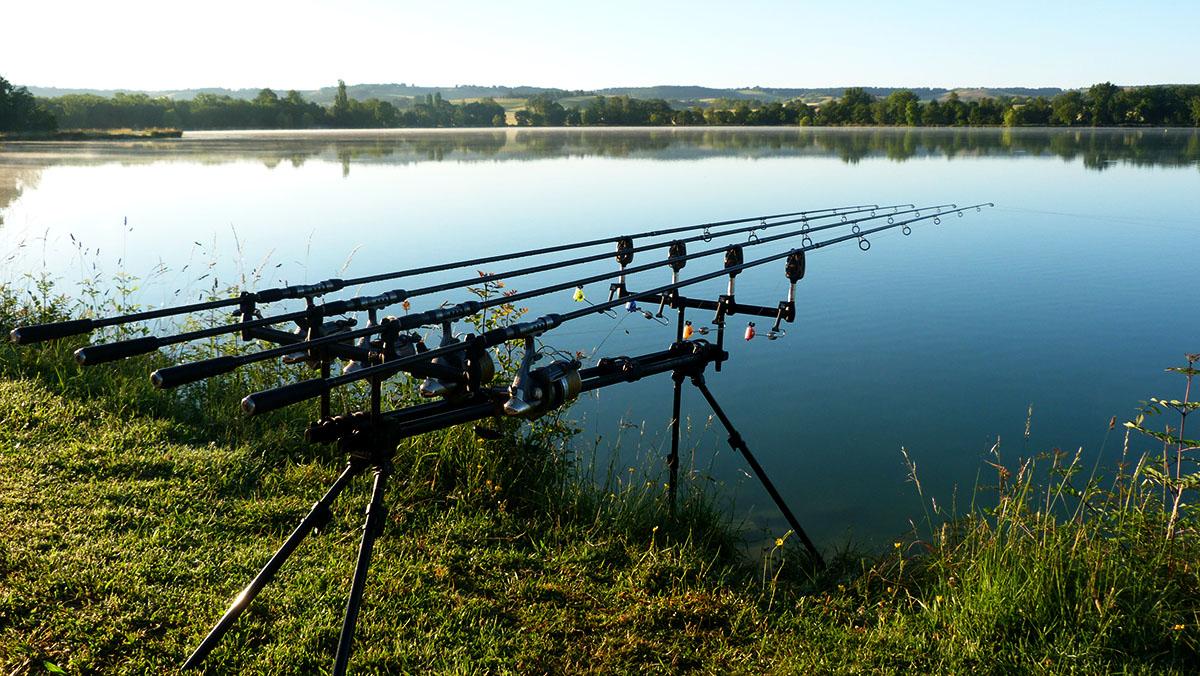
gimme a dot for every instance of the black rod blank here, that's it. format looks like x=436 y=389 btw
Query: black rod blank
x=275 y=398
x=106 y=352
x=182 y=374
x=35 y=333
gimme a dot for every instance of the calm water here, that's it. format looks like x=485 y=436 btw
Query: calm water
x=1071 y=296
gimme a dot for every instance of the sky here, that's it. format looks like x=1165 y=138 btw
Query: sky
x=306 y=44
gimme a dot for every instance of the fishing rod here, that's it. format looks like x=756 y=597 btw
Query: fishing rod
x=174 y=376
x=460 y=371
x=36 y=333
x=105 y=352
x=275 y=398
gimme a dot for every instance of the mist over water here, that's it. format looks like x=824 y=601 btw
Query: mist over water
x=1071 y=296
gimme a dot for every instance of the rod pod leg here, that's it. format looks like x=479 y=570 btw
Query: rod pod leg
x=376 y=512
x=317 y=517
x=673 y=458
x=736 y=441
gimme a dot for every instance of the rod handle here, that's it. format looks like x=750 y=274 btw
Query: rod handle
x=270 y=400
x=104 y=352
x=36 y=333
x=182 y=374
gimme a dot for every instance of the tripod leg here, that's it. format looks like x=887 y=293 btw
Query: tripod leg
x=374 y=525
x=736 y=441
x=673 y=458
x=318 y=516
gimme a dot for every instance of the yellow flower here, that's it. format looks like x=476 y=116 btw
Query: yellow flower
x=1178 y=627
x=896 y=545
x=778 y=542
x=938 y=598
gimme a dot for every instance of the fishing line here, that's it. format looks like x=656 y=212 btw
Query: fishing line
x=1122 y=219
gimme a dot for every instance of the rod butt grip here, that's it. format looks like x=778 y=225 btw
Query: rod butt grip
x=105 y=352
x=270 y=400
x=183 y=374
x=36 y=333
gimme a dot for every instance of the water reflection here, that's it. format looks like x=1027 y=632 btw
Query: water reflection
x=1096 y=149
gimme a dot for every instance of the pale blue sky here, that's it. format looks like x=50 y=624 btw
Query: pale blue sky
x=305 y=44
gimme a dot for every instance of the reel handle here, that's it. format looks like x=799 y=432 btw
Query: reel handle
x=174 y=376
x=270 y=400
x=105 y=352
x=37 y=333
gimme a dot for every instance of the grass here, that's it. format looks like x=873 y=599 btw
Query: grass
x=130 y=520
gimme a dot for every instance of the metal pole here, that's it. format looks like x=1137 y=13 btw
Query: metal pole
x=317 y=517
x=376 y=511
x=736 y=441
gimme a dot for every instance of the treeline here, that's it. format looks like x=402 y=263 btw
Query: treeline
x=19 y=111
x=1100 y=105
x=268 y=110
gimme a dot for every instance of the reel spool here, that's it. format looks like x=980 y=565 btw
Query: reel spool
x=461 y=361
x=536 y=392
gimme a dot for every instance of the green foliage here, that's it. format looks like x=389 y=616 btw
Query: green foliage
x=131 y=519
x=19 y=111
x=1102 y=104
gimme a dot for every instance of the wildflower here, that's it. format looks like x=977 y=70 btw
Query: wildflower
x=896 y=545
x=1178 y=627
x=778 y=542
x=937 y=599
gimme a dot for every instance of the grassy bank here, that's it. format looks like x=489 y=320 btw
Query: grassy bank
x=130 y=519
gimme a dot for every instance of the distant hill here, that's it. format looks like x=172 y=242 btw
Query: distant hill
x=678 y=95
x=396 y=93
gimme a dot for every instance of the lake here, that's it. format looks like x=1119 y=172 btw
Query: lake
x=1068 y=299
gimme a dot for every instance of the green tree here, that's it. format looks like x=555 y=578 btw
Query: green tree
x=1067 y=108
x=19 y=111
x=341 y=105
x=1099 y=104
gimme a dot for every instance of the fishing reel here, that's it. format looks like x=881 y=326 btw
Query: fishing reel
x=307 y=332
x=460 y=360
x=536 y=392
x=391 y=344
